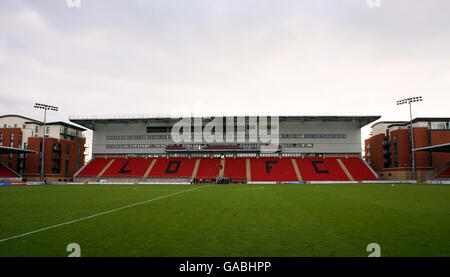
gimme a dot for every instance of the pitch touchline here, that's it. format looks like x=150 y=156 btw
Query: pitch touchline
x=99 y=214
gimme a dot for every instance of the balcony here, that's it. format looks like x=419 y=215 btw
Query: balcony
x=70 y=133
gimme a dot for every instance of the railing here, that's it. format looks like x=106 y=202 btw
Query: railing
x=438 y=128
x=65 y=132
x=438 y=170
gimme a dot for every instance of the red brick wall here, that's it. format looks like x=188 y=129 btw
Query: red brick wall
x=32 y=163
x=7 y=143
x=422 y=138
x=440 y=137
x=403 y=148
x=376 y=151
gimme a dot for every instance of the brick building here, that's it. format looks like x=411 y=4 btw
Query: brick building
x=388 y=150
x=64 y=148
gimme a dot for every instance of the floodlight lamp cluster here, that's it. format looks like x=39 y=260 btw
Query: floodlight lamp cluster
x=45 y=107
x=409 y=100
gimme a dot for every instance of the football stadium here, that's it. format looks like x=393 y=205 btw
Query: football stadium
x=284 y=186
x=255 y=135
x=307 y=149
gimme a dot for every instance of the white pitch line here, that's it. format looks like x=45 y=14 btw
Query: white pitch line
x=99 y=214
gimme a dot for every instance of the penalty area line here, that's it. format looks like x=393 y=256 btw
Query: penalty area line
x=99 y=214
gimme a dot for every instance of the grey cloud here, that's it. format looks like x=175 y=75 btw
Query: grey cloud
x=305 y=57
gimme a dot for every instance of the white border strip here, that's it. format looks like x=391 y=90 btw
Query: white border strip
x=438 y=181
x=390 y=182
x=99 y=214
x=124 y=183
x=332 y=182
x=261 y=183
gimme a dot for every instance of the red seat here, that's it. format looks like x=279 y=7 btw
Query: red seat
x=272 y=170
x=358 y=169
x=321 y=169
x=93 y=168
x=235 y=169
x=209 y=168
x=444 y=174
x=128 y=168
x=5 y=173
x=173 y=168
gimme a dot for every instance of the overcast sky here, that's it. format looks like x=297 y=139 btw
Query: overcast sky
x=316 y=57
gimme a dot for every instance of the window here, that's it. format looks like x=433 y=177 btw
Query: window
x=313 y=136
x=268 y=155
x=67 y=152
x=12 y=140
x=297 y=145
x=67 y=160
x=158 y=129
x=78 y=155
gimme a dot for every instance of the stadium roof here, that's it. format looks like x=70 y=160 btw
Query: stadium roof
x=24 y=117
x=90 y=121
x=444 y=148
x=30 y=120
x=415 y=120
x=11 y=150
x=62 y=123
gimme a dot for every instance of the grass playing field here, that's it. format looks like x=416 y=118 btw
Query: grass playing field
x=226 y=220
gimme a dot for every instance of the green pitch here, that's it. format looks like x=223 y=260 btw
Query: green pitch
x=226 y=220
